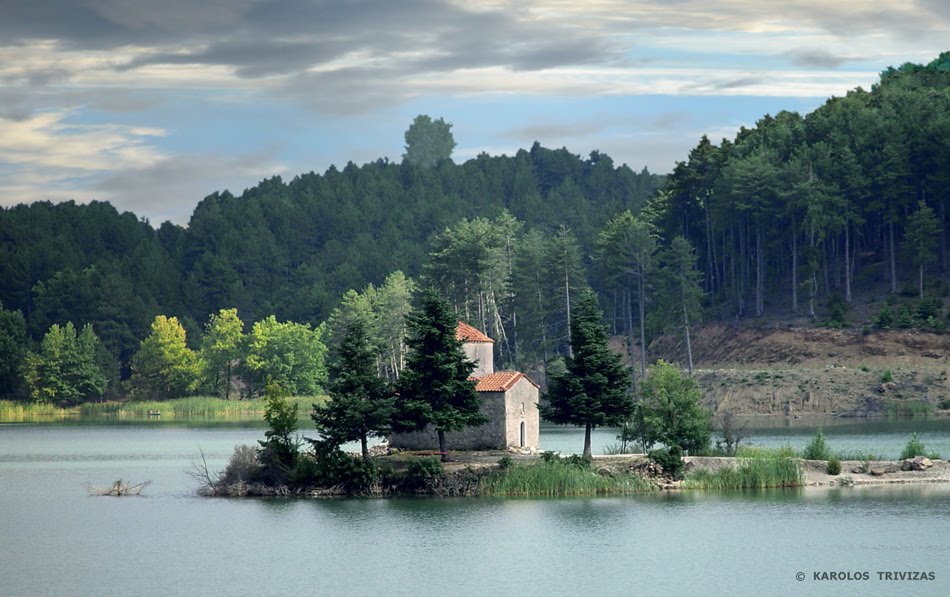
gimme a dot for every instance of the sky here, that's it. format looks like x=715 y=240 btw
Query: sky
x=152 y=105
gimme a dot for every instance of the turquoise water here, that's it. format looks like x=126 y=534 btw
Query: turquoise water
x=57 y=540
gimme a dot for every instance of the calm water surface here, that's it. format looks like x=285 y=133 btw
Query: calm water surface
x=56 y=540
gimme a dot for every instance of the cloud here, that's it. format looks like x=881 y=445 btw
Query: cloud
x=169 y=188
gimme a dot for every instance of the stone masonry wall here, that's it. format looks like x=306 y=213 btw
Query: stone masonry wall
x=490 y=436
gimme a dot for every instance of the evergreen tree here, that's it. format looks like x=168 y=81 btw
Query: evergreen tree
x=361 y=404
x=682 y=289
x=592 y=391
x=164 y=367
x=434 y=388
x=921 y=239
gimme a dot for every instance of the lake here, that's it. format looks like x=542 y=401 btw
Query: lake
x=57 y=540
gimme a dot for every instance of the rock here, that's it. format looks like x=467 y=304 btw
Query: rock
x=877 y=471
x=891 y=468
x=920 y=463
x=605 y=471
x=857 y=470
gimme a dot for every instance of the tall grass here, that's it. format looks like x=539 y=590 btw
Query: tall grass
x=749 y=473
x=558 y=479
x=194 y=407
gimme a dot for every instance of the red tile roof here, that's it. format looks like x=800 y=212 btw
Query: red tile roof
x=500 y=381
x=467 y=333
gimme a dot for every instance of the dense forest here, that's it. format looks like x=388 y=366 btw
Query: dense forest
x=799 y=216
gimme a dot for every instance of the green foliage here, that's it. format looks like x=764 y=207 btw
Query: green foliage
x=670 y=460
x=222 y=348
x=434 y=388
x=834 y=466
x=279 y=449
x=242 y=467
x=906 y=408
x=837 y=312
x=13 y=343
x=750 y=473
x=887 y=376
x=505 y=462
x=328 y=466
x=290 y=354
x=914 y=447
x=428 y=141
x=67 y=369
x=164 y=367
x=554 y=478
x=885 y=318
x=361 y=404
x=592 y=391
x=817 y=449
x=921 y=236
x=761 y=452
x=421 y=473
x=671 y=411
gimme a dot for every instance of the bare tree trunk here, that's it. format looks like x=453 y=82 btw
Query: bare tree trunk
x=710 y=263
x=891 y=257
x=567 y=301
x=364 y=448
x=759 y=274
x=847 y=262
x=643 y=334
x=587 y=452
x=921 y=270
x=794 y=267
x=442 y=451
x=689 y=345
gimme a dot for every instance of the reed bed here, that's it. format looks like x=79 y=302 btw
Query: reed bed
x=750 y=473
x=194 y=407
x=551 y=479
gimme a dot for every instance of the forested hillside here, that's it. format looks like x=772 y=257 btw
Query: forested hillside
x=290 y=249
x=837 y=217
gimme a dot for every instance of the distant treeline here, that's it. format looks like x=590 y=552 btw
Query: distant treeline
x=285 y=249
x=798 y=215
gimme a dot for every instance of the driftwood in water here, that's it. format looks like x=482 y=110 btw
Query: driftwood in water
x=118 y=489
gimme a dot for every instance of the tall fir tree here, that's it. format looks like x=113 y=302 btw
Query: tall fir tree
x=593 y=390
x=361 y=404
x=435 y=387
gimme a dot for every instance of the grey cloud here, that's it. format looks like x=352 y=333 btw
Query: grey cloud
x=553 y=132
x=170 y=188
x=816 y=58
x=251 y=58
x=737 y=83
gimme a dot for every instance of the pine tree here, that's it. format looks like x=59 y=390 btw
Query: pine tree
x=361 y=404
x=434 y=388
x=921 y=238
x=592 y=391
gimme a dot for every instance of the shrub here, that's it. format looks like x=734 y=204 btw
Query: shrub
x=421 y=472
x=837 y=312
x=817 y=449
x=505 y=462
x=670 y=459
x=914 y=447
x=887 y=376
x=834 y=466
x=242 y=467
x=550 y=456
x=332 y=467
x=885 y=318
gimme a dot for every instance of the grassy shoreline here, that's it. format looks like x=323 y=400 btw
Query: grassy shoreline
x=194 y=407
